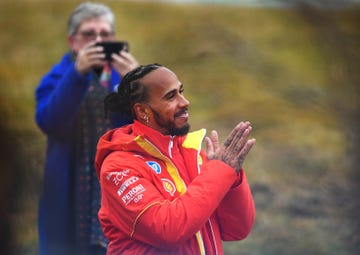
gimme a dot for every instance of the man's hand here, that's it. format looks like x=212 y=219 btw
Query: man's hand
x=89 y=57
x=124 y=62
x=235 y=148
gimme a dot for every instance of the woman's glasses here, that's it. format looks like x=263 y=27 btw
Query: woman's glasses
x=92 y=35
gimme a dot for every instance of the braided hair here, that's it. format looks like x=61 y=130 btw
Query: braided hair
x=130 y=91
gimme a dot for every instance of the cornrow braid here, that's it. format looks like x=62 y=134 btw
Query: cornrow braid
x=130 y=91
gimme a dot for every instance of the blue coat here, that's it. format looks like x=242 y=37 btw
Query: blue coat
x=59 y=97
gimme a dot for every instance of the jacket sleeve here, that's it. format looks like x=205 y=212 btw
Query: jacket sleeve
x=236 y=213
x=133 y=204
x=59 y=96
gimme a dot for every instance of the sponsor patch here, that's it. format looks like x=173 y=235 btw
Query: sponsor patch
x=126 y=184
x=134 y=194
x=155 y=166
x=168 y=186
x=117 y=177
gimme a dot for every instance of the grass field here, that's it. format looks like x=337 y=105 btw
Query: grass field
x=293 y=73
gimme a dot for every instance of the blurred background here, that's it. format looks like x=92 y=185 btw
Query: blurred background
x=289 y=67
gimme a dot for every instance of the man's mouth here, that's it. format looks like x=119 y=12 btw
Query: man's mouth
x=182 y=114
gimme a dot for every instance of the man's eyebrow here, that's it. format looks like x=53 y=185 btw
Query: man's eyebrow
x=173 y=91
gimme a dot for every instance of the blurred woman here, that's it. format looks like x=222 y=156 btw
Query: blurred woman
x=69 y=111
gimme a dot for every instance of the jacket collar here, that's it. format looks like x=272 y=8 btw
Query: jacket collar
x=164 y=143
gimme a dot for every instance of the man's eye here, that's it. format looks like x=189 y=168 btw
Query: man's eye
x=171 y=96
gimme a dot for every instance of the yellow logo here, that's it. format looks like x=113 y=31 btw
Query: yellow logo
x=169 y=186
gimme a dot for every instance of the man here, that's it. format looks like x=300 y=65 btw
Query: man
x=161 y=194
x=69 y=111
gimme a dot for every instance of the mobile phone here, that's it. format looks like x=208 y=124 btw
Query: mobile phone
x=113 y=47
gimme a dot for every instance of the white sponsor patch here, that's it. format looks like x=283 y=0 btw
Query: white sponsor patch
x=126 y=184
x=117 y=177
x=134 y=194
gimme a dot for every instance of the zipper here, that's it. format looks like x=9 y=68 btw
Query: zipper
x=198 y=234
x=171 y=144
x=165 y=157
x=213 y=237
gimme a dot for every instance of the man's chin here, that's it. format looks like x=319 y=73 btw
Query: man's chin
x=180 y=131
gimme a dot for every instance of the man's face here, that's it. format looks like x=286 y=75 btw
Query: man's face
x=168 y=106
x=94 y=29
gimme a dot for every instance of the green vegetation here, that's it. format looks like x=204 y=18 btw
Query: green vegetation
x=292 y=73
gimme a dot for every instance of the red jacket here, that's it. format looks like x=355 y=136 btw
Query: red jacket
x=161 y=195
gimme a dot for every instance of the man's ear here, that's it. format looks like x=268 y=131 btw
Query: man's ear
x=141 y=111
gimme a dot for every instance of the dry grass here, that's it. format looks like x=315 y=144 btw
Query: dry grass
x=292 y=73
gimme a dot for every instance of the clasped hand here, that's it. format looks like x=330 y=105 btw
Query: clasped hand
x=235 y=149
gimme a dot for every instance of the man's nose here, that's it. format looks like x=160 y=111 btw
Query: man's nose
x=184 y=102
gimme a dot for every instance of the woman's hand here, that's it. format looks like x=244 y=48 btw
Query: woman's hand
x=124 y=62
x=89 y=57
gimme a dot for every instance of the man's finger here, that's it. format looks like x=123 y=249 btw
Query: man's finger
x=209 y=148
x=233 y=133
x=245 y=150
x=244 y=137
x=215 y=139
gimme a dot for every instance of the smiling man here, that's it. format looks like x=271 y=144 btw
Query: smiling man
x=161 y=194
x=166 y=109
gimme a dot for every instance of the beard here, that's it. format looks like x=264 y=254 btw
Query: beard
x=179 y=131
x=170 y=126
